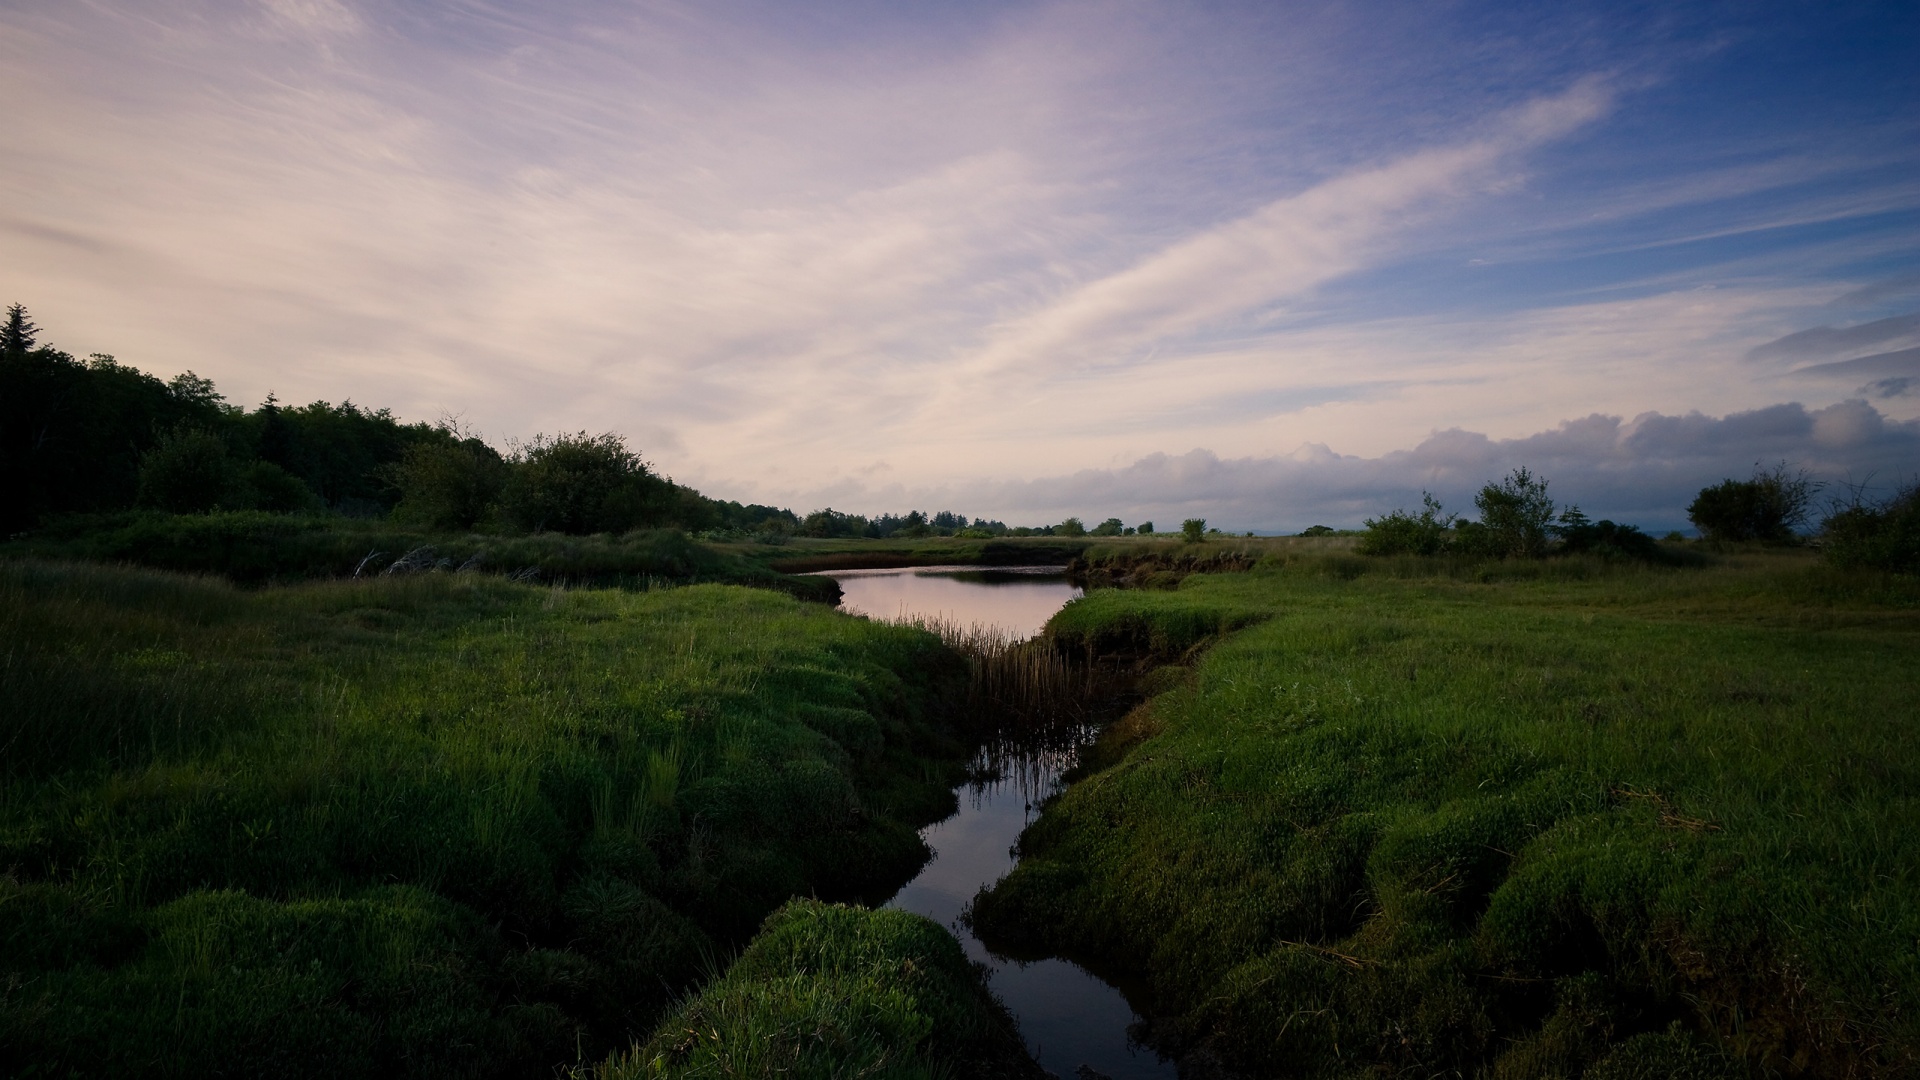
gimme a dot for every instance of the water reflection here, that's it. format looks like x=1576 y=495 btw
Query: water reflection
x=1018 y=598
x=1069 y=1017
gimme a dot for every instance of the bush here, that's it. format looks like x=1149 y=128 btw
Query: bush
x=1401 y=533
x=1109 y=527
x=1516 y=516
x=1767 y=507
x=1193 y=530
x=582 y=484
x=1580 y=536
x=1071 y=527
x=449 y=485
x=1884 y=536
x=186 y=472
x=1146 y=528
x=263 y=485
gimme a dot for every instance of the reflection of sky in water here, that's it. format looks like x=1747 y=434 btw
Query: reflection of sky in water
x=1019 y=599
x=1068 y=1017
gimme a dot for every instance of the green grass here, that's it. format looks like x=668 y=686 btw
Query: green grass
x=827 y=991
x=255 y=548
x=1521 y=819
x=425 y=825
x=802 y=555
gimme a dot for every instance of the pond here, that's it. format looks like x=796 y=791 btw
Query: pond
x=1075 y=1024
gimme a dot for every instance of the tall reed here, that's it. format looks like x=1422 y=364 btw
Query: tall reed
x=1016 y=687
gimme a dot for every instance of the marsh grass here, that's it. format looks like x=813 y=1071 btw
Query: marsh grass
x=1016 y=688
x=427 y=824
x=252 y=548
x=828 y=992
x=1511 y=819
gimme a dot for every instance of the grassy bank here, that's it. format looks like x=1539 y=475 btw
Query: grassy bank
x=258 y=548
x=832 y=991
x=424 y=825
x=1162 y=562
x=802 y=555
x=1521 y=819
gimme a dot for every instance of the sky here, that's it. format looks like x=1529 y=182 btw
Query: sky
x=1272 y=264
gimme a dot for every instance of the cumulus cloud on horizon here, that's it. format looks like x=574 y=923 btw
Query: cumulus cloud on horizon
x=1643 y=470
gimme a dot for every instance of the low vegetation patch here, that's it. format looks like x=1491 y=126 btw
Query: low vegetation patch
x=1602 y=819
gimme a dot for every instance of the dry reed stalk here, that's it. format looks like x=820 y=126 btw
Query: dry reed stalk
x=1014 y=685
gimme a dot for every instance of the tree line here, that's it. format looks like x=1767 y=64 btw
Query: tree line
x=1518 y=519
x=96 y=436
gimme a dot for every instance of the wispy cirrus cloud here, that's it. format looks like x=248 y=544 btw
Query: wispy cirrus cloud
x=903 y=248
x=1275 y=253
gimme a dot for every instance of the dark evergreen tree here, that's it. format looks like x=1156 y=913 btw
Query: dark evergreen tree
x=17 y=336
x=276 y=438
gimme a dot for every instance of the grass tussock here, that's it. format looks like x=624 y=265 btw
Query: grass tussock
x=827 y=991
x=435 y=824
x=1590 y=818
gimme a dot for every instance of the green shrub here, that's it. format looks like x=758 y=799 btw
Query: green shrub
x=1883 y=536
x=1402 y=533
x=449 y=485
x=1769 y=506
x=262 y=485
x=1579 y=536
x=1193 y=530
x=581 y=484
x=187 y=472
x=1070 y=527
x=1516 y=518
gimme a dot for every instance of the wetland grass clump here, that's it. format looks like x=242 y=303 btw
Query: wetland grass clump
x=829 y=991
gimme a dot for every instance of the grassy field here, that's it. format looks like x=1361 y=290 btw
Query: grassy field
x=1561 y=818
x=252 y=548
x=438 y=824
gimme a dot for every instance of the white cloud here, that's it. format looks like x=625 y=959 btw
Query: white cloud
x=1276 y=253
x=1642 y=471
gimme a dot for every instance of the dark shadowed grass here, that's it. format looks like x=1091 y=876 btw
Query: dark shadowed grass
x=423 y=825
x=255 y=548
x=1520 y=820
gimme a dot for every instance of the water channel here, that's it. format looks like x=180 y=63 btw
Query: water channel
x=1074 y=1024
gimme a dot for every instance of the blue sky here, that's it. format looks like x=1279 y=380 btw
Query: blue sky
x=1275 y=264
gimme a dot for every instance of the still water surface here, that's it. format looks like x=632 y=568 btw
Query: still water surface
x=1019 y=599
x=1070 y=1019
